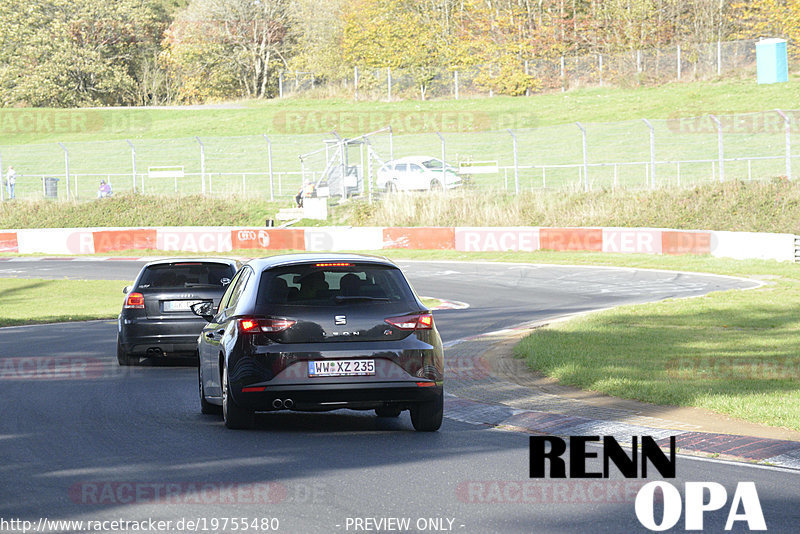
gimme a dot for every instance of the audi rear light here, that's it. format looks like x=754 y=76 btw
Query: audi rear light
x=333 y=265
x=416 y=321
x=134 y=301
x=270 y=325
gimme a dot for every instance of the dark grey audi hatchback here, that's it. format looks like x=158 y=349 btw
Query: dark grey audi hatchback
x=317 y=332
x=156 y=318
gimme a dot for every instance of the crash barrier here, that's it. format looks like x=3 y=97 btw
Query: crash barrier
x=739 y=245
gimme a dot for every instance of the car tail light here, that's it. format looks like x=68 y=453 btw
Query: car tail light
x=134 y=300
x=270 y=325
x=417 y=321
x=333 y=265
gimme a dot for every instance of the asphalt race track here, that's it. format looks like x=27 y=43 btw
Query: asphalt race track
x=83 y=439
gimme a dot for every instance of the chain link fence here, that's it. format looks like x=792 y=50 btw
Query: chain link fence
x=647 y=66
x=627 y=154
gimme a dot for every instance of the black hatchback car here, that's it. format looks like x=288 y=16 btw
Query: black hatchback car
x=156 y=318
x=317 y=332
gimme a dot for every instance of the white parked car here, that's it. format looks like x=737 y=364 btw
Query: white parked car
x=416 y=173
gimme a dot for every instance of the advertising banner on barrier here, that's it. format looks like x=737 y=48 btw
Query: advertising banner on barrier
x=424 y=238
x=279 y=239
x=325 y=239
x=632 y=240
x=55 y=241
x=588 y=239
x=683 y=242
x=194 y=239
x=8 y=242
x=524 y=239
x=130 y=239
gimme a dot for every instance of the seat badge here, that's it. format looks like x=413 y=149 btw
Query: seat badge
x=340 y=319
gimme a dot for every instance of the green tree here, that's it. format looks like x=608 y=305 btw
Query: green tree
x=77 y=52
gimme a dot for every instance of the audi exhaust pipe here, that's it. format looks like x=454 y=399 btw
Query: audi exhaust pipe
x=277 y=404
x=288 y=403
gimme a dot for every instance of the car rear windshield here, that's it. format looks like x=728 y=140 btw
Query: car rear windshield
x=183 y=275
x=332 y=284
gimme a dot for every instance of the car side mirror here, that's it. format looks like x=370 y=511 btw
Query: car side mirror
x=204 y=310
x=126 y=290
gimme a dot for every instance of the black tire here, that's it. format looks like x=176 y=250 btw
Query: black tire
x=391 y=187
x=427 y=416
x=206 y=407
x=388 y=411
x=235 y=418
x=124 y=358
x=436 y=185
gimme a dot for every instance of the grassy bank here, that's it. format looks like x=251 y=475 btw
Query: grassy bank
x=735 y=206
x=259 y=117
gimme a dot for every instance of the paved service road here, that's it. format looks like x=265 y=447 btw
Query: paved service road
x=83 y=439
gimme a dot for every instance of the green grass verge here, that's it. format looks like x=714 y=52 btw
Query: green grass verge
x=32 y=301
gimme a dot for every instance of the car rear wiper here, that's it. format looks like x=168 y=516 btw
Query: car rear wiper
x=341 y=298
x=192 y=284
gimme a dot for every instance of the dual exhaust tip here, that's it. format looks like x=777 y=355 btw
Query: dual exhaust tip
x=286 y=403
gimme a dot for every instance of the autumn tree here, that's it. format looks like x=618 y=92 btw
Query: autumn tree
x=227 y=48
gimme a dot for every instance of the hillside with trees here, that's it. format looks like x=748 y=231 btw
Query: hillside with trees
x=73 y=53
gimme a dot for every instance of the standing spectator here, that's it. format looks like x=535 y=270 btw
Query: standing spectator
x=11 y=181
x=105 y=190
x=306 y=191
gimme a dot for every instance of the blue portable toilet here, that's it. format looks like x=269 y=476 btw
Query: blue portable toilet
x=772 y=61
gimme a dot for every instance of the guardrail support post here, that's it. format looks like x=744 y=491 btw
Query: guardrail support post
x=66 y=168
x=788 y=127
x=720 y=147
x=585 y=158
x=652 y=154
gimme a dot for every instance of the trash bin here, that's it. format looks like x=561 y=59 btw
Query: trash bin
x=51 y=187
x=772 y=61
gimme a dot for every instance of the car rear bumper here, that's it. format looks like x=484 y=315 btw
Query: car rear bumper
x=171 y=336
x=314 y=397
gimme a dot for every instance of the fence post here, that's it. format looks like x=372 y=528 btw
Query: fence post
x=585 y=158
x=527 y=73
x=679 y=62
x=2 y=187
x=444 y=173
x=600 y=65
x=720 y=147
x=389 y=82
x=202 y=165
x=66 y=167
x=455 y=84
x=516 y=162
x=652 y=154
x=133 y=162
x=355 y=81
x=269 y=159
x=638 y=61
x=563 y=76
x=280 y=84
x=719 y=58
x=788 y=128
x=391 y=143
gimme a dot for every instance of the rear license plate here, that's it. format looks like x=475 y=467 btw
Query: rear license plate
x=179 y=305
x=341 y=368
